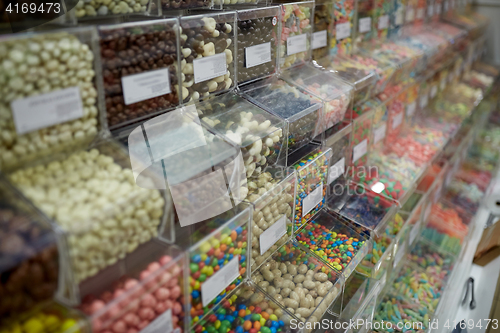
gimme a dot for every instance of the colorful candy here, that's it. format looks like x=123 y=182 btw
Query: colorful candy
x=343 y=12
x=295 y=20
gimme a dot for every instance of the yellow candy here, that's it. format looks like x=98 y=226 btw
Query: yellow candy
x=52 y=322
x=68 y=325
x=205 y=247
x=217 y=324
x=215 y=243
x=33 y=325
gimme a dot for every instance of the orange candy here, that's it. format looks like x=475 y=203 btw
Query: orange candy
x=247 y=325
x=242 y=313
x=223 y=247
x=234 y=235
x=265 y=315
x=256 y=325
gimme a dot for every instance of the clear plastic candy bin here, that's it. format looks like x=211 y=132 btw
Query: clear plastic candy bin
x=335 y=94
x=302 y=113
x=93 y=198
x=30 y=129
x=29 y=257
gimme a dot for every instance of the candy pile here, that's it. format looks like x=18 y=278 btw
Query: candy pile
x=295 y=20
x=323 y=23
x=367 y=209
x=343 y=15
x=446 y=228
x=396 y=309
x=415 y=284
x=435 y=263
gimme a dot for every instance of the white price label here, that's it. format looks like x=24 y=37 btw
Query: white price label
x=162 y=324
x=434 y=91
x=420 y=13
x=365 y=24
x=343 y=30
x=312 y=200
x=415 y=231
x=143 y=86
x=220 y=280
x=379 y=133
x=257 y=55
x=424 y=100
x=336 y=170
x=359 y=150
x=411 y=108
x=296 y=44
x=41 y=111
x=438 y=9
x=399 y=17
x=209 y=67
x=430 y=11
x=397 y=120
x=442 y=84
x=319 y=39
x=400 y=254
x=410 y=14
x=269 y=237
x=383 y=22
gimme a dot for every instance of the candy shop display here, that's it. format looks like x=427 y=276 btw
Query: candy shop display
x=434 y=261
x=148 y=294
x=104 y=215
x=463 y=194
x=310 y=195
x=343 y=14
x=140 y=70
x=301 y=112
x=478 y=80
x=334 y=241
x=86 y=10
x=411 y=103
x=299 y=282
x=381 y=17
x=335 y=94
x=323 y=29
x=393 y=307
x=258 y=133
x=361 y=139
x=29 y=257
x=296 y=29
x=257 y=46
x=360 y=77
x=208 y=50
x=219 y=250
x=385 y=69
x=417 y=285
x=247 y=309
x=365 y=24
x=396 y=20
x=29 y=128
x=50 y=317
x=272 y=222
x=184 y=4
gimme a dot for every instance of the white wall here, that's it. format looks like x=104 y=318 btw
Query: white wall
x=491 y=9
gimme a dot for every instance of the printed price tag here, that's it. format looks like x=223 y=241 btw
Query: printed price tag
x=257 y=55
x=399 y=17
x=410 y=14
x=379 y=133
x=162 y=324
x=397 y=120
x=41 y=111
x=312 y=200
x=319 y=39
x=434 y=91
x=269 y=237
x=336 y=170
x=424 y=100
x=420 y=14
x=430 y=11
x=411 y=108
x=296 y=44
x=365 y=24
x=359 y=150
x=209 y=67
x=220 y=280
x=383 y=22
x=143 y=86
x=343 y=30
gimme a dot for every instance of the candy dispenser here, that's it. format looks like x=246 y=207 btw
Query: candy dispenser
x=379 y=129
x=257 y=43
x=167 y=5
x=302 y=113
x=30 y=265
x=343 y=13
x=417 y=313
x=291 y=265
x=272 y=223
x=365 y=22
x=296 y=30
x=382 y=11
x=361 y=138
x=329 y=237
x=31 y=129
x=397 y=17
x=323 y=29
x=138 y=294
x=383 y=69
x=140 y=68
x=411 y=103
x=310 y=195
x=102 y=224
x=208 y=48
x=85 y=11
x=247 y=300
x=334 y=93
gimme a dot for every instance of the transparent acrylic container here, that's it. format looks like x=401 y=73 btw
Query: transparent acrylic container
x=344 y=17
x=219 y=252
x=362 y=78
x=30 y=265
x=140 y=68
x=382 y=12
x=274 y=208
x=326 y=237
x=323 y=30
x=101 y=224
x=211 y=35
x=145 y=289
x=302 y=113
x=86 y=11
x=397 y=17
x=258 y=33
x=334 y=93
x=260 y=135
x=247 y=300
x=312 y=177
x=361 y=139
x=384 y=69
x=365 y=23
x=288 y=267
x=30 y=129
x=167 y=5
x=296 y=29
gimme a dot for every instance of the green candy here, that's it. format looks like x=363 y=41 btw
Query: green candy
x=255 y=317
x=193 y=267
